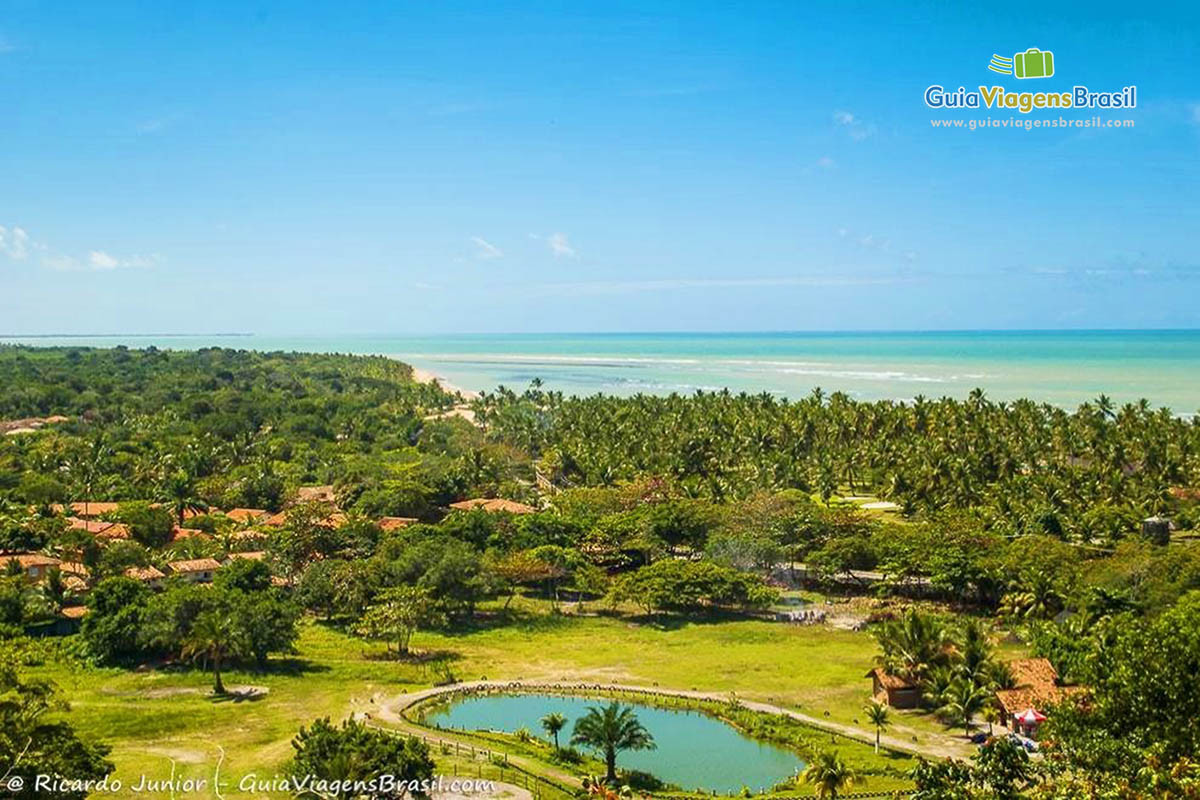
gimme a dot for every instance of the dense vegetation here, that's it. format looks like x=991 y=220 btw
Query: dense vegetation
x=1024 y=515
x=1026 y=467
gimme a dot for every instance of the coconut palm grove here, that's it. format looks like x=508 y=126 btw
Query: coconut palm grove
x=259 y=574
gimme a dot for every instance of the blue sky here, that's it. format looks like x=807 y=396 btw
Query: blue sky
x=425 y=167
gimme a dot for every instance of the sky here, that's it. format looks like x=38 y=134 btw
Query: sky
x=394 y=167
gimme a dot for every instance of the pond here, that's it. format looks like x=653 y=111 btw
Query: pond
x=694 y=751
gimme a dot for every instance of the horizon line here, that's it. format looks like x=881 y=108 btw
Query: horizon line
x=668 y=332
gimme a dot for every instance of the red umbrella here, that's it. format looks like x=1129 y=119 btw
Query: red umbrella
x=1030 y=716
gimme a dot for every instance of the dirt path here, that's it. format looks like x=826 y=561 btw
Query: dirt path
x=946 y=747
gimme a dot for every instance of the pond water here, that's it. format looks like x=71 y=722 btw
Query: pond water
x=693 y=751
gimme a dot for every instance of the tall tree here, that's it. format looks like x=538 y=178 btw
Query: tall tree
x=180 y=491
x=609 y=729
x=552 y=723
x=830 y=775
x=878 y=715
x=962 y=701
x=397 y=616
x=355 y=752
x=216 y=637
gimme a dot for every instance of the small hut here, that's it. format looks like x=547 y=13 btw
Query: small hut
x=894 y=690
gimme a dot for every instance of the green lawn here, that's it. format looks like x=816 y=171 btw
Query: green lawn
x=153 y=717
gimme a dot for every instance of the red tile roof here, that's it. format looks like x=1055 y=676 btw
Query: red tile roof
x=115 y=531
x=1033 y=672
x=494 y=505
x=99 y=528
x=247 y=515
x=334 y=520
x=1037 y=687
x=90 y=525
x=889 y=681
x=392 y=523
x=144 y=573
x=250 y=534
x=319 y=494
x=89 y=508
x=178 y=533
x=195 y=565
x=27 y=560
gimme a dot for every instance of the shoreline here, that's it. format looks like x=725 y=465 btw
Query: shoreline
x=427 y=376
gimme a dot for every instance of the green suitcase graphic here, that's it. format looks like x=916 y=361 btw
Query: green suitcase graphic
x=1033 y=63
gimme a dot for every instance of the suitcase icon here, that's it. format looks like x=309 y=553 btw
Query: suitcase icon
x=1033 y=63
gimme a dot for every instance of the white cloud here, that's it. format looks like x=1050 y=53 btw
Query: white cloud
x=14 y=243
x=485 y=249
x=855 y=127
x=6 y=46
x=96 y=261
x=99 y=259
x=1195 y=109
x=825 y=162
x=560 y=246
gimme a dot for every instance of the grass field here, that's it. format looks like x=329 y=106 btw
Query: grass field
x=159 y=720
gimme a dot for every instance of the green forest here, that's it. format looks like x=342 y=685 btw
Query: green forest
x=321 y=488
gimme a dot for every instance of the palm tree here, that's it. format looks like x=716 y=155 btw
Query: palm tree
x=54 y=590
x=215 y=636
x=912 y=645
x=962 y=701
x=611 y=728
x=181 y=492
x=991 y=716
x=830 y=775
x=87 y=468
x=974 y=651
x=879 y=715
x=553 y=723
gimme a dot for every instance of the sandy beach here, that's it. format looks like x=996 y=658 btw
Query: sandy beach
x=425 y=376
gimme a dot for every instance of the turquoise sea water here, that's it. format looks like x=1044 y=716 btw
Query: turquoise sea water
x=1063 y=368
x=692 y=750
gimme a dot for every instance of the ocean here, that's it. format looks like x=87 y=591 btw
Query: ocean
x=1064 y=368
